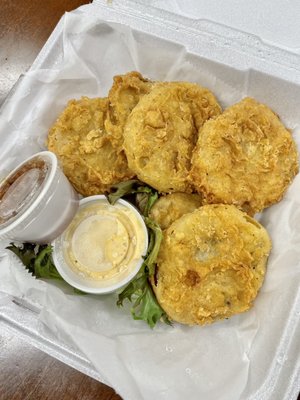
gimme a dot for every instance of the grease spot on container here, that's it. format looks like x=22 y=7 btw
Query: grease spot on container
x=169 y=349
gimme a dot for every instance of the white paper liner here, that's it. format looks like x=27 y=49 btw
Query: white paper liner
x=214 y=362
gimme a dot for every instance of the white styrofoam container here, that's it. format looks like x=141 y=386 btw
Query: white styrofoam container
x=224 y=46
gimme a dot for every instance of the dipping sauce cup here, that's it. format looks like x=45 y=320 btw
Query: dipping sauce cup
x=103 y=247
x=37 y=202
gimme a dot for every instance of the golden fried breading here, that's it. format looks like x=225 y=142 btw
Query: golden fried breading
x=172 y=206
x=123 y=96
x=211 y=264
x=88 y=157
x=244 y=157
x=162 y=130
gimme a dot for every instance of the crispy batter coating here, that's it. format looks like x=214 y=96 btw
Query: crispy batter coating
x=244 y=157
x=173 y=206
x=125 y=93
x=90 y=160
x=162 y=130
x=211 y=264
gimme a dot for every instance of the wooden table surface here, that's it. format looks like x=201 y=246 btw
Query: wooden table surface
x=26 y=373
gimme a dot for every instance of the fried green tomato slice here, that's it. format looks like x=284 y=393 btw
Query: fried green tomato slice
x=173 y=206
x=211 y=264
x=89 y=158
x=124 y=95
x=244 y=157
x=162 y=131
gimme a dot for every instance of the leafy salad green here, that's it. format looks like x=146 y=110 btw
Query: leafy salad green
x=38 y=258
x=139 y=291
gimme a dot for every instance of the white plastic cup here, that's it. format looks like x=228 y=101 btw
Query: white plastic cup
x=94 y=286
x=50 y=207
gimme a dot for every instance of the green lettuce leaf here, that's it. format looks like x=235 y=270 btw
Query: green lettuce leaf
x=122 y=189
x=145 y=195
x=38 y=260
x=145 y=200
x=147 y=308
x=156 y=237
x=144 y=303
x=26 y=253
x=139 y=291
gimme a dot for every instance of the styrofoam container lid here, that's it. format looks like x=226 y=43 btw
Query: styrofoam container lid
x=232 y=64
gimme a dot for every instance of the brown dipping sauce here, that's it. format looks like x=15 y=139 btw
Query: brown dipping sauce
x=19 y=189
